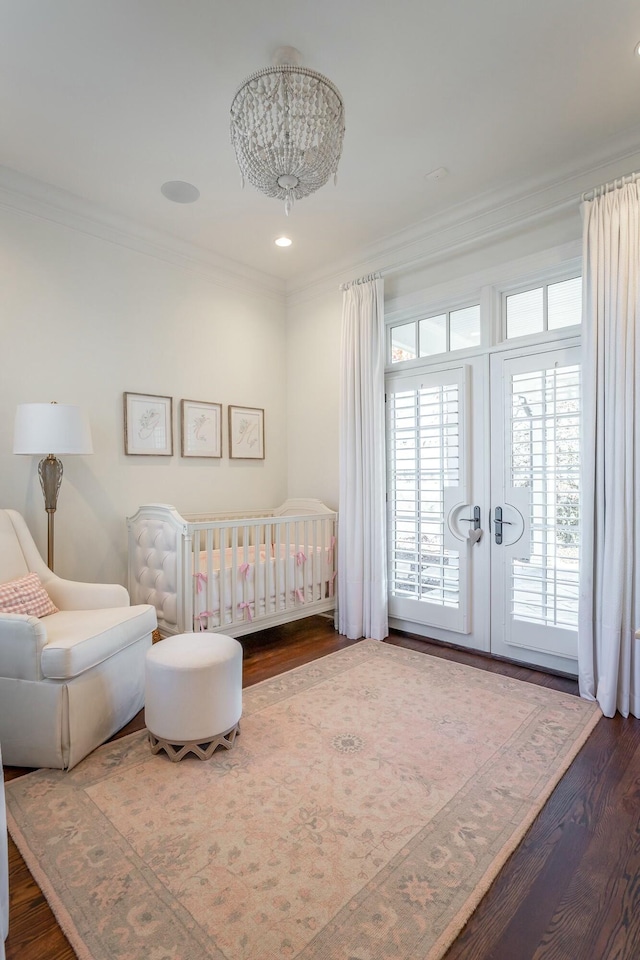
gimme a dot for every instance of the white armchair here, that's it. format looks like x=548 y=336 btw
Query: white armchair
x=4 y=871
x=69 y=680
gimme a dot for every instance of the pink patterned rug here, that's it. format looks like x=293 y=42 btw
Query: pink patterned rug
x=370 y=801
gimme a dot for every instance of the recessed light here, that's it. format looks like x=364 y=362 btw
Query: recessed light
x=283 y=242
x=180 y=191
x=637 y=49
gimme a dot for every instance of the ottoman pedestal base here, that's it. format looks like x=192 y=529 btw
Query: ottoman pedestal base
x=203 y=749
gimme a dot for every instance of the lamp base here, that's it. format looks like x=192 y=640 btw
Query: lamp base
x=50 y=473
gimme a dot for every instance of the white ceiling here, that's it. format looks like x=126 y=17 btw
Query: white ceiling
x=108 y=99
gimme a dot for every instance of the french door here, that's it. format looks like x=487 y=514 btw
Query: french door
x=484 y=501
x=435 y=480
x=535 y=485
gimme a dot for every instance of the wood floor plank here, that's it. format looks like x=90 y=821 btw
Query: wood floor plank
x=571 y=891
x=599 y=910
x=521 y=906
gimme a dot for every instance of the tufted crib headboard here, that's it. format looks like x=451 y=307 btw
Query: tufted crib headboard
x=156 y=562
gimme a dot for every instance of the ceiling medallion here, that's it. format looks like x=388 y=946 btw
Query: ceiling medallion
x=287 y=126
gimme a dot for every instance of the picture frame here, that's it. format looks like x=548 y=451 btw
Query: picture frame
x=246 y=433
x=201 y=428
x=148 y=425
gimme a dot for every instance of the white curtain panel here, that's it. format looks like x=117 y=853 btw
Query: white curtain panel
x=609 y=666
x=362 y=555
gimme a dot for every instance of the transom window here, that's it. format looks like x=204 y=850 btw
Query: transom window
x=536 y=310
x=441 y=333
x=547 y=307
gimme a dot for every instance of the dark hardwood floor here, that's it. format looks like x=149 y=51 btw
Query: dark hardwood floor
x=571 y=891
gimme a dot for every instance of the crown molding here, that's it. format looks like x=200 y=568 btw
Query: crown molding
x=487 y=217
x=42 y=201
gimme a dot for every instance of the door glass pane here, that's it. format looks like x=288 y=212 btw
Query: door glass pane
x=464 y=329
x=424 y=449
x=403 y=342
x=545 y=457
x=525 y=313
x=564 y=308
x=433 y=335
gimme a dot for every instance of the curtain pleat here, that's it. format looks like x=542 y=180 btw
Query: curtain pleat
x=362 y=561
x=609 y=614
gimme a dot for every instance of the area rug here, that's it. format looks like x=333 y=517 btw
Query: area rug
x=372 y=797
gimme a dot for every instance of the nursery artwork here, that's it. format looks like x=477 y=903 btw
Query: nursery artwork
x=246 y=433
x=201 y=429
x=148 y=425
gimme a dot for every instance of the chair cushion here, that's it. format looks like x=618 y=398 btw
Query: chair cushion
x=80 y=639
x=26 y=595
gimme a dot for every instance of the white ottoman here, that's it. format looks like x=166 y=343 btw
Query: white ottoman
x=193 y=694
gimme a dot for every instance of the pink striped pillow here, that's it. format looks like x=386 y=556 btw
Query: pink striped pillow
x=26 y=595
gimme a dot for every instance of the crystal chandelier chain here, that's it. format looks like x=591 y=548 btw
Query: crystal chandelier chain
x=287 y=127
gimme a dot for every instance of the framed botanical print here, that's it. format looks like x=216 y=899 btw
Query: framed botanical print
x=148 y=425
x=201 y=428
x=246 y=433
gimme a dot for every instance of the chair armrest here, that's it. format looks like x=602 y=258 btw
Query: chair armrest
x=21 y=641
x=72 y=595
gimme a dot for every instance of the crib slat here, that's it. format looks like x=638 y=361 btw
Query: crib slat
x=185 y=619
x=222 y=580
x=277 y=564
x=234 y=571
x=316 y=573
x=268 y=579
x=209 y=622
x=287 y=566
x=306 y=562
x=258 y=531
x=323 y=558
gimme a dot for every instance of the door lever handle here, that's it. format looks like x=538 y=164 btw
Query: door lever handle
x=475 y=533
x=499 y=523
x=475 y=519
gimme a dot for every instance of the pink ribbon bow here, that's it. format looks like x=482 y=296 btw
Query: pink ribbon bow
x=331 y=582
x=204 y=616
x=201 y=579
x=300 y=558
x=246 y=606
x=244 y=569
x=330 y=550
x=300 y=595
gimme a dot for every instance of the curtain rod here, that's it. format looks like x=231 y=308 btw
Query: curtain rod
x=611 y=185
x=353 y=283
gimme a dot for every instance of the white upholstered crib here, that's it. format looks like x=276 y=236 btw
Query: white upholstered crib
x=233 y=573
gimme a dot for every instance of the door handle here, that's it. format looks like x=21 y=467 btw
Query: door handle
x=475 y=519
x=475 y=533
x=499 y=523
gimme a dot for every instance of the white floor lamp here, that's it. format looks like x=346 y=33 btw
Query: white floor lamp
x=49 y=429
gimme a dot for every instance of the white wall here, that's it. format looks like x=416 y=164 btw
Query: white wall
x=83 y=320
x=313 y=339
x=313 y=382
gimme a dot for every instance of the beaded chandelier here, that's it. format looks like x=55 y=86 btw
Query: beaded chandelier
x=287 y=125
